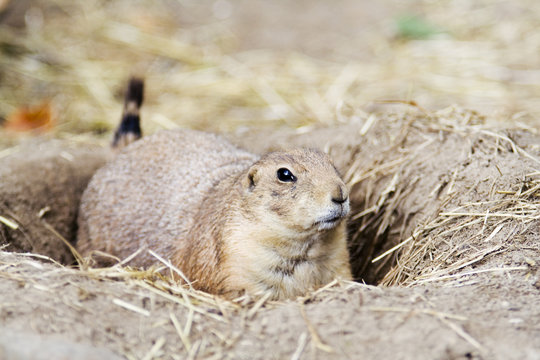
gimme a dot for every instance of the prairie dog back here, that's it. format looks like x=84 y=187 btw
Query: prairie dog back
x=151 y=193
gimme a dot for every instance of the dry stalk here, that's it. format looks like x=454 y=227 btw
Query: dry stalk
x=463 y=334
x=154 y=351
x=302 y=341
x=80 y=260
x=131 y=307
x=465 y=274
x=313 y=332
x=172 y=267
x=184 y=336
x=419 y=311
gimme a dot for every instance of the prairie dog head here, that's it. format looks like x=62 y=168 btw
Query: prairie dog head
x=296 y=193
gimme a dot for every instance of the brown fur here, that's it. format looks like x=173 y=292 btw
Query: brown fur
x=223 y=216
x=220 y=214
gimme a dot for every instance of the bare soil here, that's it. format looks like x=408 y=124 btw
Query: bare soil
x=497 y=319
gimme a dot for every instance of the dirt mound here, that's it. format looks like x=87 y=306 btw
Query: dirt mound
x=41 y=183
x=445 y=210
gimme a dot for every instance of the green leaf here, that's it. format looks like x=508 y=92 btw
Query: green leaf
x=415 y=27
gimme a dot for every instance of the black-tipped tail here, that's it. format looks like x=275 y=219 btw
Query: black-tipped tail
x=129 y=129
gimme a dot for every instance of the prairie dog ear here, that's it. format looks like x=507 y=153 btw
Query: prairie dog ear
x=251 y=179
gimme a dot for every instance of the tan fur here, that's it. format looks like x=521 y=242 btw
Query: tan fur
x=221 y=214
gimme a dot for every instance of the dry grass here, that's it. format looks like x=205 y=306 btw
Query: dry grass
x=196 y=75
x=432 y=250
x=170 y=300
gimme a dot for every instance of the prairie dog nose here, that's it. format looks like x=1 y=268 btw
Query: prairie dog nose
x=340 y=194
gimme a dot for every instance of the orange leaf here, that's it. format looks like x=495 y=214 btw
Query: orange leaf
x=31 y=118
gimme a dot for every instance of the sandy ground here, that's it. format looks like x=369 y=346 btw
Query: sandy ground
x=494 y=320
x=445 y=202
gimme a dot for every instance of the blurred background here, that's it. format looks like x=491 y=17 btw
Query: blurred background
x=221 y=65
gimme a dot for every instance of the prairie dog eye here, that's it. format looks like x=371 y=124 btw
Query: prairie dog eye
x=285 y=175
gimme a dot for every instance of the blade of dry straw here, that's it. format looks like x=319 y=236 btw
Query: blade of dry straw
x=258 y=305
x=180 y=301
x=454 y=276
x=461 y=264
x=130 y=307
x=421 y=311
x=155 y=349
x=9 y=223
x=130 y=257
x=198 y=295
x=398 y=246
x=9 y=151
x=516 y=149
x=171 y=266
x=189 y=322
x=488 y=214
x=494 y=232
x=195 y=349
x=314 y=335
x=42 y=257
x=183 y=337
x=302 y=341
x=368 y=124
x=463 y=334
x=74 y=251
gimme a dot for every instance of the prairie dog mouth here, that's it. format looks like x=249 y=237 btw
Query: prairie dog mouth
x=331 y=220
x=328 y=224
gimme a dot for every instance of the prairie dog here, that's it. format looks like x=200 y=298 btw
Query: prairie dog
x=229 y=220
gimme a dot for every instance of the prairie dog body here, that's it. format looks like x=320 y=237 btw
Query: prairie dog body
x=231 y=221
